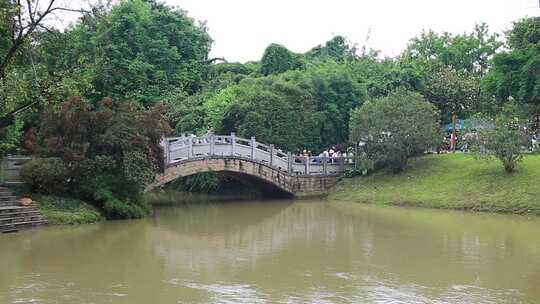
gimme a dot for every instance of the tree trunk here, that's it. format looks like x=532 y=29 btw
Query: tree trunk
x=453 y=136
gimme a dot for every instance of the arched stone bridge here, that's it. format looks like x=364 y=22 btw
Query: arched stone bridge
x=274 y=170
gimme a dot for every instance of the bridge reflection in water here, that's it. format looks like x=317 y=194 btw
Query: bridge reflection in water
x=289 y=174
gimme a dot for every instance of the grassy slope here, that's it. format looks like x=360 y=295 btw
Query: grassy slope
x=451 y=181
x=66 y=211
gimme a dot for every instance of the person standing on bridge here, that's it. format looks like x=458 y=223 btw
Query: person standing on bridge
x=331 y=154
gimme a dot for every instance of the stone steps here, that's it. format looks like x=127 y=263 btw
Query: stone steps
x=32 y=212
x=20 y=218
x=14 y=217
x=12 y=227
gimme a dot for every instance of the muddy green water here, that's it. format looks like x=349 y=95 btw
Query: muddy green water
x=278 y=252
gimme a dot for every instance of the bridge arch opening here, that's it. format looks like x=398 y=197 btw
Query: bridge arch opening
x=231 y=183
x=270 y=181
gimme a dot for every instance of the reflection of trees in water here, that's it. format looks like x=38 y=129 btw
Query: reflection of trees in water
x=318 y=241
x=90 y=262
x=283 y=249
x=246 y=230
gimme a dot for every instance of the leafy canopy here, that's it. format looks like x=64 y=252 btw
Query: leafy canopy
x=515 y=73
x=394 y=128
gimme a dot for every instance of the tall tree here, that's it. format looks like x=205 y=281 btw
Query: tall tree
x=142 y=51
x=20 y=21
x=278 y=59
x=515 y=72
x=453 y=93
x=468 y=52
x=337 y=48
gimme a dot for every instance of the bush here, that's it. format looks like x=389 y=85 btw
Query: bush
x=46 y=175
x=506 y=141
x=122 y=209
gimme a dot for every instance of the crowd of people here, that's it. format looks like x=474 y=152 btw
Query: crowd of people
x=461 y=143
x=332 y=154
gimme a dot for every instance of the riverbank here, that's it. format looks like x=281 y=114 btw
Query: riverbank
x=66 y=211
x=450 y=181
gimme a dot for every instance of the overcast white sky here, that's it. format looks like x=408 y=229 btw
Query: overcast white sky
x=242 y=29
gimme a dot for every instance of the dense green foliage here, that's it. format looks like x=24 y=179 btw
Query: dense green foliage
x=101 y=92
x=141 y=51
x=278 y=59
x=515 y=72
x=394 y=128
x=464 y=53
x=107 y=153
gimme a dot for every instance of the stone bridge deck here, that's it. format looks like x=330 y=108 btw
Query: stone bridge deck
x=248 y=158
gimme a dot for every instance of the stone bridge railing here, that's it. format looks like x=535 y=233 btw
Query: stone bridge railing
x=178 y=149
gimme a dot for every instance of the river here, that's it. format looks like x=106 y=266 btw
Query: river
x=278 y=252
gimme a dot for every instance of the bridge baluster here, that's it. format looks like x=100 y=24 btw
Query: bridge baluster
x=190 y=147
x=233 y=143
x=212 y=143
x=271 y=150
x=289 y=162
x=253 y=145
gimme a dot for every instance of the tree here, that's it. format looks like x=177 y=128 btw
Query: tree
x=453 y=93
x=336 y=48
x=468 y=52
x=505 y=142
x=383 y=76
x=335 y=91
x=20 y=22
x=524 y=33
x=110 y=151
x=394 y=128
x=296 y=109
x=141 y=50
x=273 y=110
x=278 y=59
x=515 y=73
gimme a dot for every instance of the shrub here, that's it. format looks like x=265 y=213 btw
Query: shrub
x=46 y=175
x=506 y=141
x=122 y=209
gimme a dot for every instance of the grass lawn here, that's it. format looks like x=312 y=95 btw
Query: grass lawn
x=450 y=181
x=66 y=211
